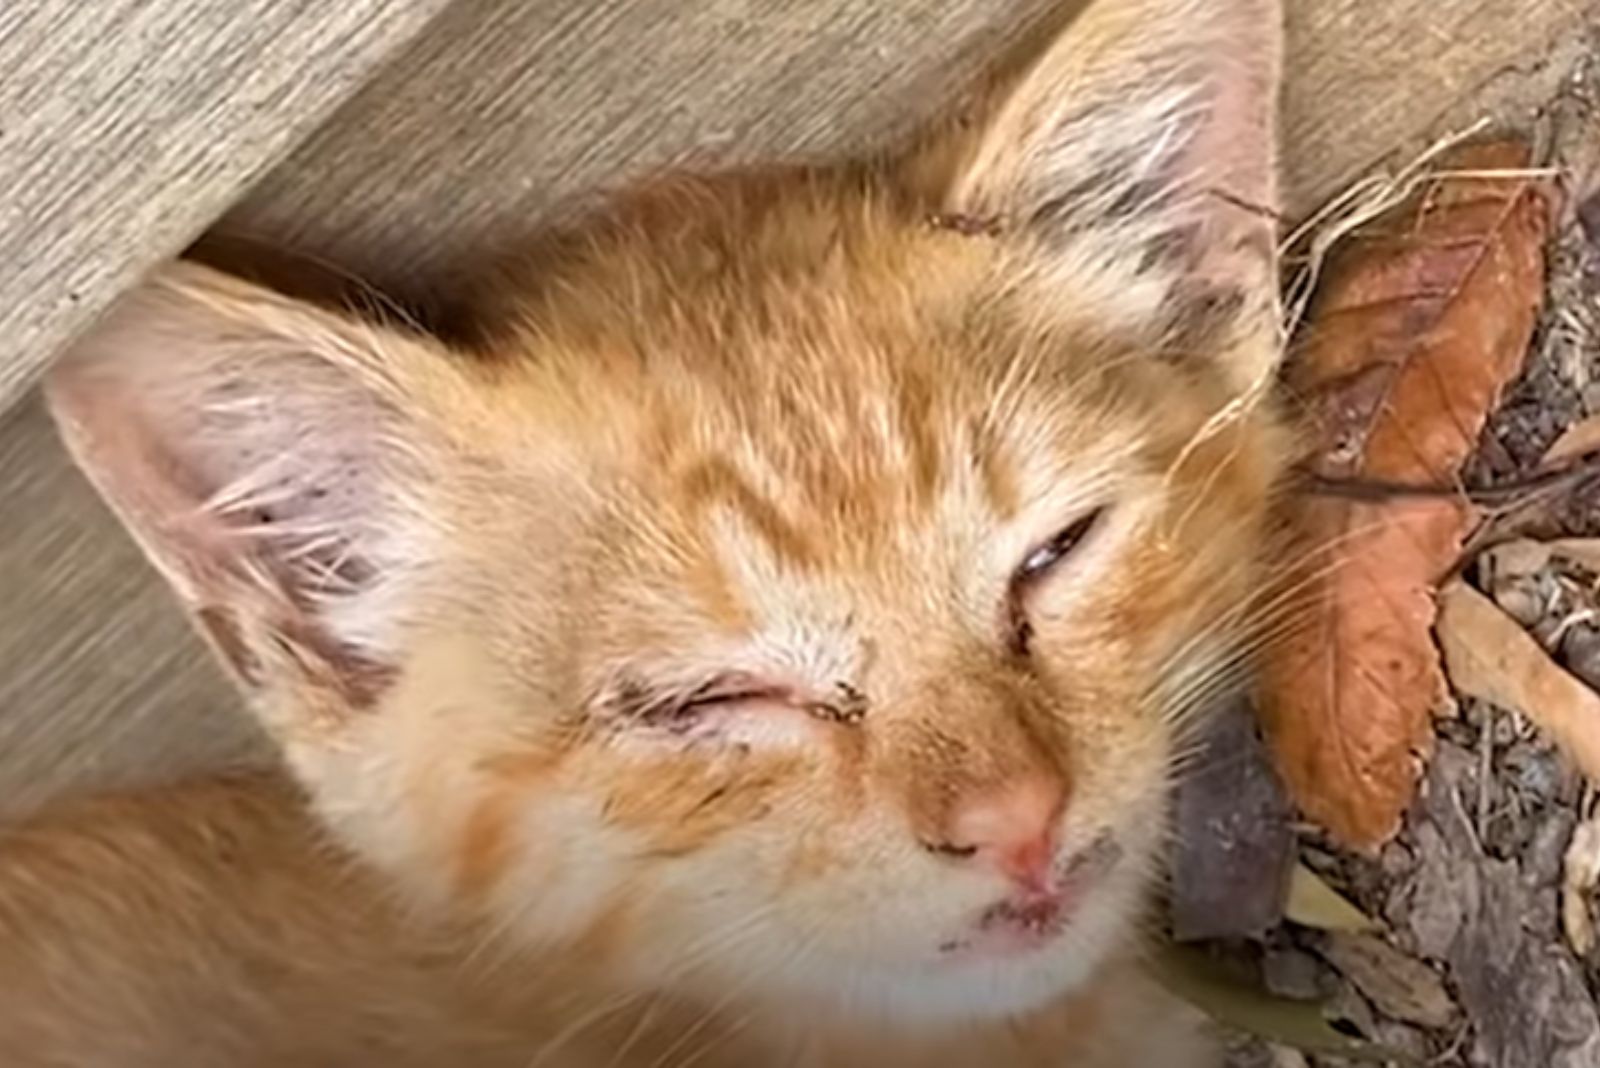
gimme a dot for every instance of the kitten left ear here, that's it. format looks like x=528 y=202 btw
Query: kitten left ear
x=262 y=451
x=1142 y=139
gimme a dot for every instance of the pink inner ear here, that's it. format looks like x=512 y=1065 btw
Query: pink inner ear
x=1146 y=116
x=238 y=435
x=157 y=496
x=1236 y=141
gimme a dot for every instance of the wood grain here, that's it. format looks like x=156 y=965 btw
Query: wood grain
x=127 y=126
x=498 y=117
x=100 y=678
x=532 y=106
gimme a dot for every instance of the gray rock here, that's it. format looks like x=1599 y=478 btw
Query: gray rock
x=1234 y=846
x=1291 y=973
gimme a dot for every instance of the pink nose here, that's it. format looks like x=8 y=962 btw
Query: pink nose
x=1013 y=829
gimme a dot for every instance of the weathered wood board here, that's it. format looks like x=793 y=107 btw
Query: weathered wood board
x=128 y=126
x=486 y=123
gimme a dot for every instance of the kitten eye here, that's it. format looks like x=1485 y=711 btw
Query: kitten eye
x=1039 y=563
x=1044 y=558
x=682 y=711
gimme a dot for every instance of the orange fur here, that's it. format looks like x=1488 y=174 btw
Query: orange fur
x=682 y=642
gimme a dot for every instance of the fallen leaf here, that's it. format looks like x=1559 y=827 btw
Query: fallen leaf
x=1579 y=439
x=1489 y=656
x=1313 y=903
x=1412 y=337
x=1303 y=1025
x=1580 y=874
x=1399 y=986
x=1512 y=560
x=1585 y=552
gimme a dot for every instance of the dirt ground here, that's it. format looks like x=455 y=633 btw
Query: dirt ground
x=1471 y=961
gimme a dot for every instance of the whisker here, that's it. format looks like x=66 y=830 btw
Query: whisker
x=698 y=951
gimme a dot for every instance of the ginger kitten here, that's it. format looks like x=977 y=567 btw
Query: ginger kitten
x=766 y=644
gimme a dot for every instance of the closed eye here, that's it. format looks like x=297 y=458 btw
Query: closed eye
x=736 y=688
x=736 y=710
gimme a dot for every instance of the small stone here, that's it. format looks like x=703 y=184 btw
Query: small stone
x=1512 y=561
x=1234 y=847
x=1404 y=1039
x=1292 y=973
x=1580 y=653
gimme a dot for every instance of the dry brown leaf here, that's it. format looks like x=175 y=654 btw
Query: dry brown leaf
x=1585 y=552
x=1580 y=872
x=1579 y=439
x=1490 y=656
x=1417 y=328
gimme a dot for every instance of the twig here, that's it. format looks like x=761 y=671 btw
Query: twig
x=1354 y=207
x=1505 y=499
x=1511 y=494
x=1485 y=768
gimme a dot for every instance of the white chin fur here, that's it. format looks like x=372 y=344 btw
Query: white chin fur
x=938 y=992
x=976 y=990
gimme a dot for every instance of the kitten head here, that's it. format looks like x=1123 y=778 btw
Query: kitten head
x=798 y=590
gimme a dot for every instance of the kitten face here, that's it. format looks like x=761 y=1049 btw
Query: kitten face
x=730 y=668
x=797 y=594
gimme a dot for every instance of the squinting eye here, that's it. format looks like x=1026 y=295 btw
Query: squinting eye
x=1036 y=566
x=730 y=689
x=1039 y=562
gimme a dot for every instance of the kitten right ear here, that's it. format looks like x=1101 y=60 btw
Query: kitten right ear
x=1141 y=141
x=262 y=451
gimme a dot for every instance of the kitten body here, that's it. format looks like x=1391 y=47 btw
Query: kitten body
x=214 y=924
x=767 y=643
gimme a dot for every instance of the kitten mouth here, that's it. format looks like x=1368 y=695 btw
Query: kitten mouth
x=1010 y=928
x=1039 y=918
x=1031 y=921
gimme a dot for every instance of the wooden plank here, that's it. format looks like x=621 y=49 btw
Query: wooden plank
x=100 y=679
x=500 y=114
x=499 y=119
x=508 y=113
x=127 y=126
x=1369 y=81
